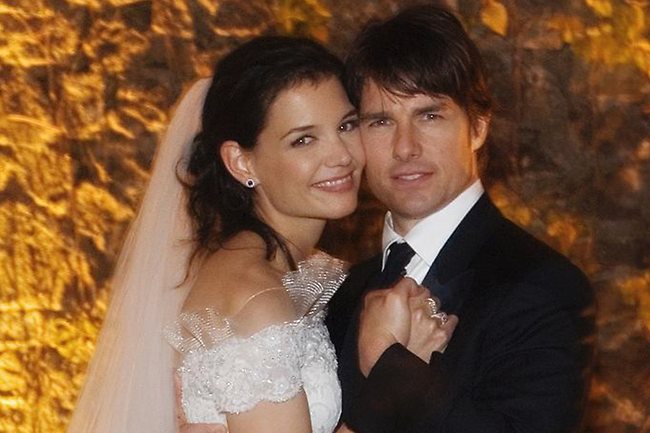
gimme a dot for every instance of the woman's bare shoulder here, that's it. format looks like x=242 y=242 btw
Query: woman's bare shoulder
x=231 y=276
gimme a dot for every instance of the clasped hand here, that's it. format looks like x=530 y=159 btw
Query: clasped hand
x=398 y=315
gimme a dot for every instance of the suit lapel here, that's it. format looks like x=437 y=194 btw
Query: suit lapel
x=451 y=275
x=453 y=292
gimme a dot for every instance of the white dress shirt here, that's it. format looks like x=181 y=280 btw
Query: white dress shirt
x=430 y=234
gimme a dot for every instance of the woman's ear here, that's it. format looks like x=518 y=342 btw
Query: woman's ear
x=238 y=162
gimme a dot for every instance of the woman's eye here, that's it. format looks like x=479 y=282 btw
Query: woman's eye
x=302 y=141
x=349 y=125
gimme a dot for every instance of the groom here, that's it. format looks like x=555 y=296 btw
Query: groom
x=518 y=358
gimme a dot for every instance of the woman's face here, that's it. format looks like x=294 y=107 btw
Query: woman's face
x=308 y=158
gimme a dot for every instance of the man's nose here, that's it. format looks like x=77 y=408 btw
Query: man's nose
x=406 y=145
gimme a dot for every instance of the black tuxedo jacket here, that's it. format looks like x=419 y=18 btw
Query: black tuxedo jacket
x=518 y=360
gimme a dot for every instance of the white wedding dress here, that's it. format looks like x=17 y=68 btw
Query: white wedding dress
x=229 y=364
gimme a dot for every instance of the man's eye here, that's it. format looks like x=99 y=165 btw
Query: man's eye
x=378 y=122
x=432 y=116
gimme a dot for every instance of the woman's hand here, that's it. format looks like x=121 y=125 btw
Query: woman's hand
x=385 y=320
x=428 y=334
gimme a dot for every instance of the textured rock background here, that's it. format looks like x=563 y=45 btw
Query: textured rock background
x=85 y=91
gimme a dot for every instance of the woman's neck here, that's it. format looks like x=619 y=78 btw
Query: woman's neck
x=300 y=235
x=301 y=239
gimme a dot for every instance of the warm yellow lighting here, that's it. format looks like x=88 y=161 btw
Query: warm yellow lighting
x=636 y=291
x=85 y=88
x=81 y=103
x=619 y=38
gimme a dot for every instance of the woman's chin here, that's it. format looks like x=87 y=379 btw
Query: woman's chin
x=342 y=210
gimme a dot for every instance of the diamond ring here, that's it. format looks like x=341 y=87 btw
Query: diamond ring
x=442 y=316
x=432 y=306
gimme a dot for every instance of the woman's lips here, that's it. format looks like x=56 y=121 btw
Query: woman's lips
x=336 y=184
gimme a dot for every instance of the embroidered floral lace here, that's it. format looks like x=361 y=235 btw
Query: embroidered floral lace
x=222 y=371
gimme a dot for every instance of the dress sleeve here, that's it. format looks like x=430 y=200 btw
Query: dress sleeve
x=251 y=357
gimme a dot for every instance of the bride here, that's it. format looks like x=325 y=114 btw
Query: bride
x=222 y=255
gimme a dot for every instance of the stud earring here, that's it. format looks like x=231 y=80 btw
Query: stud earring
x=250 y=183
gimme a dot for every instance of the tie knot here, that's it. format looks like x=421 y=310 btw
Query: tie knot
x=400 y=253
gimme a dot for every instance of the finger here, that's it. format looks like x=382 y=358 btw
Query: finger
x=452 y=321
x=415 y=289
x=418 y=315
x=373 y=297
x=421 y=324
x=440 y=317
x=447 y=330
x=418 y=301
x=407 y=286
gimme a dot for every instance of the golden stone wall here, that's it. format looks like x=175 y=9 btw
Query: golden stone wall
x=85 y=91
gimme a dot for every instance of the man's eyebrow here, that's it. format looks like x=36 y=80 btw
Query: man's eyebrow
x=373 y=115
x=436 y=105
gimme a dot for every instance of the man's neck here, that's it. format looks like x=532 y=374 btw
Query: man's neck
x=402 y=225
x=399 y=226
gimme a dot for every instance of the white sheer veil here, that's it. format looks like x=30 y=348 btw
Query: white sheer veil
x=129 y=386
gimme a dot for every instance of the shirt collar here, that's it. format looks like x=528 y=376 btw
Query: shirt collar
x=431 y=233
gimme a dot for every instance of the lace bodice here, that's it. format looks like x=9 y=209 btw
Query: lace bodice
x=226 y=370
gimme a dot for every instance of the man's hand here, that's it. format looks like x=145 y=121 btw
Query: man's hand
x=385 y=320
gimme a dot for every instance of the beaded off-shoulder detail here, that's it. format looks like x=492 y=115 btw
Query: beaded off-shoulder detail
x=223 y=372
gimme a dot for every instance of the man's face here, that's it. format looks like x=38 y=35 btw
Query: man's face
x=420 y=151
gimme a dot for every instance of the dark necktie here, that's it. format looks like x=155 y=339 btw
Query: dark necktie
x=399 y=256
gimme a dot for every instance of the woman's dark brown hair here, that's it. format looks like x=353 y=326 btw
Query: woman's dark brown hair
x=245 y=83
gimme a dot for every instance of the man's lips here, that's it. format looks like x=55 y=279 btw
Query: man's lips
x=411 y=176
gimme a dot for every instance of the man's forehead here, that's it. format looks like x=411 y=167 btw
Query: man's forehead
x=375 y=97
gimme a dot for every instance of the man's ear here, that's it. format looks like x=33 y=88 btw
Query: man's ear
x=478 y=131
x=237 y=161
